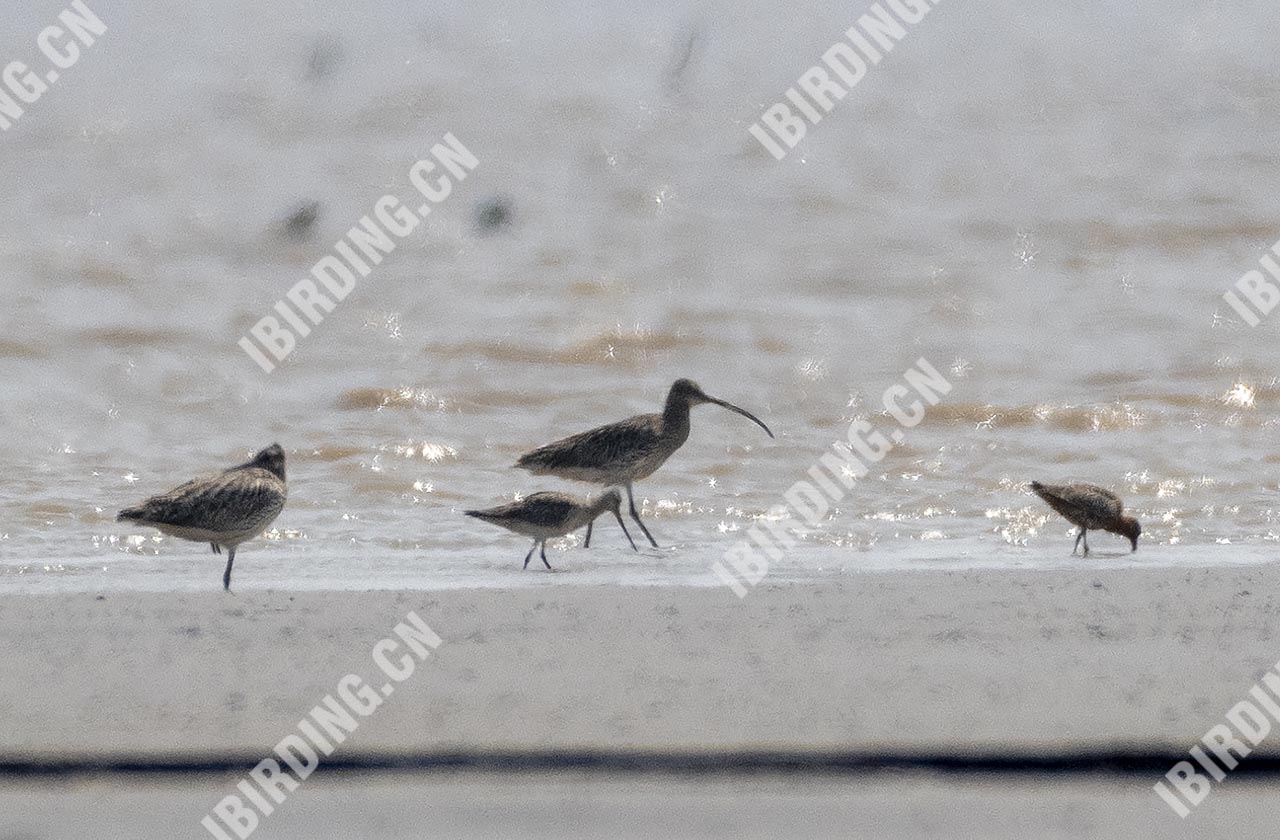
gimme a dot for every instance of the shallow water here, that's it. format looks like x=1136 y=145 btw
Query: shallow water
x=1045 y=203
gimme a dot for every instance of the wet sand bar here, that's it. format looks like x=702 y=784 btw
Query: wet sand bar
x=988 y=660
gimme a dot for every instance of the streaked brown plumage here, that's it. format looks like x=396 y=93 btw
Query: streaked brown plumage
x=624 y=452
x=547 y=515
x=1088 y=506
x=224 y=510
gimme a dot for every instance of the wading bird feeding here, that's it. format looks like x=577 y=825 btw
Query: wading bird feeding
x=547 y=515
x=629 y=450
x=224 y=510
x=1088 y=506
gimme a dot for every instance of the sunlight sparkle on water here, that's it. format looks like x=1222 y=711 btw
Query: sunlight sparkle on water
x=1240 y=395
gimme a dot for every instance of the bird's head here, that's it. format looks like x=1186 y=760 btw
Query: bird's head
x=686 y=393
x=270 y=459
x=1132 y=529
x=611 y=500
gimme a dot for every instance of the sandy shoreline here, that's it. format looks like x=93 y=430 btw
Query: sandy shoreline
x=559 y=806
x=925 y=661
x=928 y=660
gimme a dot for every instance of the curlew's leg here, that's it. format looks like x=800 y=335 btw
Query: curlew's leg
x=226 y=576
x=216 y=549
x=544 y=554
x=1085 y=536
x=636 y=516
x=1076 y=547
x=530 y=554
x=587 y=544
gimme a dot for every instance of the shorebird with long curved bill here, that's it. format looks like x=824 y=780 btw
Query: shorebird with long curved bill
x=624 y=452
x=544 y=516
x=1088 y=506
x=224 y=510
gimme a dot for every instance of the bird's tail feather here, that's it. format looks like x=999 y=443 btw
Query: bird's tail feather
x=535 y=462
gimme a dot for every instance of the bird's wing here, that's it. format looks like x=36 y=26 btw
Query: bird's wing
x=1080 y=502
x=1098 y=503
x=219 y=503
x=537 y=509
x=1107 y=497
x=605 y=448
x=546 y=508
x=497 y=512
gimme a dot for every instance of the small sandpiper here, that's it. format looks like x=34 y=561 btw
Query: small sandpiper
x=1089 y=506
x=547 y=515
x=224 y=510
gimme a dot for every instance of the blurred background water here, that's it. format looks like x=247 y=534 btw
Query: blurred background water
x=1046 y=201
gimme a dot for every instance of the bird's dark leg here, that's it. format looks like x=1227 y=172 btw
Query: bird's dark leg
x=636 y=516
x=216 y=549
x=544 y=555
x=587 y=544
x=1076 y=547
x=226 y=576
x=530 y=554
x=1085 y=535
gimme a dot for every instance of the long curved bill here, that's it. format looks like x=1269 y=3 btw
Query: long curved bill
x=618 y=516
x=743 y=412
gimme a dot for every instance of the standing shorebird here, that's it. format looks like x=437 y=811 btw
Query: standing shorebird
x=224 y=510
x=629 y=450
x=546 y=515
x=1089 y=506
